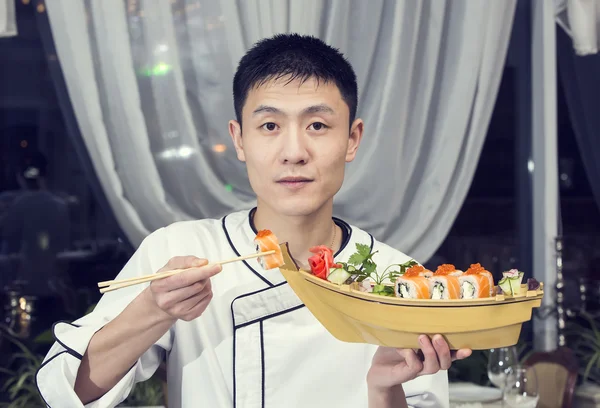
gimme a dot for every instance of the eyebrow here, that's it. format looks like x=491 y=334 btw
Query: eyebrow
x=311 y=110
x=266 y=109
x=321 y=108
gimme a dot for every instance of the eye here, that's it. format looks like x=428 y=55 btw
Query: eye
x=269 y=126
x=317 y=126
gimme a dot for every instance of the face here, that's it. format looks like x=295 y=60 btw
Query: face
x=295 y=141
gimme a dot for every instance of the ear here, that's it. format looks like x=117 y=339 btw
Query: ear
x=235 y=131
x=356 y=132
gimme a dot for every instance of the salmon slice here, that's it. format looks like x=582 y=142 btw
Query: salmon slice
x=452 y=286
x=265 y=241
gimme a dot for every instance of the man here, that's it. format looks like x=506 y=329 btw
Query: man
x=238 y=336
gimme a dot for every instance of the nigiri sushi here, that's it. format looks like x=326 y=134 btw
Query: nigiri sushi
x=265 y=241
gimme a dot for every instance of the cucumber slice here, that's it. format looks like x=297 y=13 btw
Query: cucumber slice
x=515 y=283
x=338 y=276
x=505 y=286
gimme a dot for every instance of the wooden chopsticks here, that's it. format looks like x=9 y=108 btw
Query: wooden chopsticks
x=109 y=286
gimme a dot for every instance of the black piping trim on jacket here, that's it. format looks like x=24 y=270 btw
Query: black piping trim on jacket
x=261 y=320
x=348 y=236
x=345 y=242
x=68 y=349
x=262 y=366
x=372 y=242
x=238 y=254
x=38 y=371
x=234 y=332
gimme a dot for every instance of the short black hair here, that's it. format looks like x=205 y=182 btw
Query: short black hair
x=296 y=57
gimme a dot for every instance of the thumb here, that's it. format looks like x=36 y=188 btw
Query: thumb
x=199 y=262
x=183 y=262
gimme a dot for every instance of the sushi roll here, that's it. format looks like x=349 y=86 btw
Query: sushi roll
x=447 y=270
x=477 y=269
x=265 y=241
x=412 y=287
x=444 y=287
x=474 y=286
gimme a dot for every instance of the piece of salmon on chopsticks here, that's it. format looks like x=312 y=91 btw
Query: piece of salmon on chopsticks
x=266 y=241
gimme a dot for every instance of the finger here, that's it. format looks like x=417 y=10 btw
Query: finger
x=189 y=277
x=199 y=308
x=412 y=360
x=443 y=352
x=176 y=296
x=461 y=354
x=182 y=262
x=185 y=307
x=419 y=354
x=430 y=364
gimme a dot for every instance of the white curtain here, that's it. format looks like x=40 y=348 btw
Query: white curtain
x=8 y=18
x=581 y=20
x=150 y=82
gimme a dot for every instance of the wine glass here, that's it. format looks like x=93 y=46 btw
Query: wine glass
x=499 y=364
x=521 y=388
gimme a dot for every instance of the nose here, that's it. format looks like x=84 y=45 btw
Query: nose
x=294 y=148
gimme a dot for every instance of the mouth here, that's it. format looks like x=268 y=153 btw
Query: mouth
x=294 y=182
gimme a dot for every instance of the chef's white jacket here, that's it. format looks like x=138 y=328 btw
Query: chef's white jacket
x=256 y=345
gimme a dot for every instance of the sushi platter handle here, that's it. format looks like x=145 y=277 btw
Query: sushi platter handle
x=109 y=286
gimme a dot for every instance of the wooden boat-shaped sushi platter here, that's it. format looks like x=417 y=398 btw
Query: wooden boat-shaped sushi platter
x=355 y=316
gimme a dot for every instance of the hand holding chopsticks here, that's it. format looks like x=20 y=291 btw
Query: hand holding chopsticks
x=108 y=286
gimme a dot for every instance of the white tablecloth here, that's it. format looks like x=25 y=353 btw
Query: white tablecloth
x=472 y=391
x=496 y=404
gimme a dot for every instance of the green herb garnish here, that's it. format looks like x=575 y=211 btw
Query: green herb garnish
x=363 y=259
x=362 y=265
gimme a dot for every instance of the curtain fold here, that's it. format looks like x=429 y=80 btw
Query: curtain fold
x=580 y=78
x=8 y=18
x=581 y=21
x=151 y=82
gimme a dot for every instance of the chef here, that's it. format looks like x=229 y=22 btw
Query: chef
x=237 y=335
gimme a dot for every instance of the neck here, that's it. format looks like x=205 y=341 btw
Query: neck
x=300 y=232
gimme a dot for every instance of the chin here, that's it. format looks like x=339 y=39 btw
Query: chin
x=297 y=206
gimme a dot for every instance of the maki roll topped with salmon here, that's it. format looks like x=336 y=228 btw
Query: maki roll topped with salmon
x=413 y=284
x=444 y=284
x=476 y=283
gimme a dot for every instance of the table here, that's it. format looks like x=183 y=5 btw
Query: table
x=497 y=404
x=472 y=390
